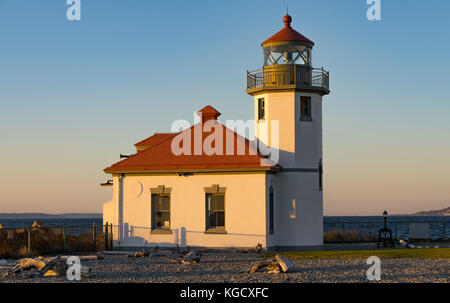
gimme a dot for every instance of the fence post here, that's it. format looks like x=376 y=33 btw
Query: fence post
x=111 y=238
x=64 y=239
x=106 y=236
x=94 y=236
x=29 y=241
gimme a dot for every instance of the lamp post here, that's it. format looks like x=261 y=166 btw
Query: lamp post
x=385 y=215
x=385 y=234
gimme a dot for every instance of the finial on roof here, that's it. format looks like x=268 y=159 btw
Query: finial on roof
x=287 y=20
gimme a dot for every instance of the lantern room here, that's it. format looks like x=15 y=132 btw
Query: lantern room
x=287 y=47
x=287 y=64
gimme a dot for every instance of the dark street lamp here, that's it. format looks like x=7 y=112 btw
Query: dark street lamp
x=385 y=234
x=385 y=215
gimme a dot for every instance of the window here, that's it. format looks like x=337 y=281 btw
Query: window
x=320 y=175
x=160 y=211
x=261 y=114
x=305 y=108
x=215 y=211
x=271 y=219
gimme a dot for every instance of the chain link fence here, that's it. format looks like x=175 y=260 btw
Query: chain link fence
x=32 y=241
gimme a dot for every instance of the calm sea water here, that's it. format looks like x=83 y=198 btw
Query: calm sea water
x=20 y=223
x=438 y=225
x=398 y=225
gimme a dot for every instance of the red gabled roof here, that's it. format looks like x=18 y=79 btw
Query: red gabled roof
x=287 y=34
x=155 y=139
x=160 y=157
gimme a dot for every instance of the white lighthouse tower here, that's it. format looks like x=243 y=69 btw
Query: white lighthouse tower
x=289 y=90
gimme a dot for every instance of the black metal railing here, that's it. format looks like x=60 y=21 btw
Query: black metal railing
x=288 y=75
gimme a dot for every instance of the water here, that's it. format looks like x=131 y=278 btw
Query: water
x=21 y=223
x=398 y=225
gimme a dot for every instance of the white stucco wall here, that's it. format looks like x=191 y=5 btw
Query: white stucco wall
x=300 y=148
x=245 y=213
x=298 y=210
x=299 y=142
x=279 y=106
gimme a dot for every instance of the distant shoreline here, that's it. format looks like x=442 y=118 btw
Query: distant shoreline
x=50 y=216
x=440 y=212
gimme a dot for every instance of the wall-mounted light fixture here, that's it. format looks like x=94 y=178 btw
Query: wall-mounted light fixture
x=107 y=183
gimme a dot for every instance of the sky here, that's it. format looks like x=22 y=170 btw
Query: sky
x=76 y=94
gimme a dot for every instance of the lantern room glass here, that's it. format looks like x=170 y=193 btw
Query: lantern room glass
x=287 y=54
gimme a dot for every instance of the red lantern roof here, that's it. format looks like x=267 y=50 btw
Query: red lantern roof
x=288 y=34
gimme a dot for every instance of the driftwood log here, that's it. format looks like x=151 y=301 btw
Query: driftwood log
x=284 y=263
x=277 y=265
x=85 y=272
x=191 y=257
x=32 y=266
x=258 y=249
x=43 y=267
x=170 y=258
x=50 y=264
x=139 y=254
x=261 y=265
x=143 y=253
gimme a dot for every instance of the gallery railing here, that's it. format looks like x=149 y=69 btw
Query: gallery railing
x=288 y=76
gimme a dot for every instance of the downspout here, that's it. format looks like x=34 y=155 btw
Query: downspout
x=120 y=209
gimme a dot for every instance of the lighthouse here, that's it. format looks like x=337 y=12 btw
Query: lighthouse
x=288 y=90
x=222 y=199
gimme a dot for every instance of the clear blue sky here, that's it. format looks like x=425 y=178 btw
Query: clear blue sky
x=74 y=95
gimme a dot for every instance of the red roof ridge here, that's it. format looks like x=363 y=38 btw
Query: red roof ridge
x=142 y=143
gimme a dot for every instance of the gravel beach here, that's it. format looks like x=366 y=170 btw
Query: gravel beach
x=226 y=267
